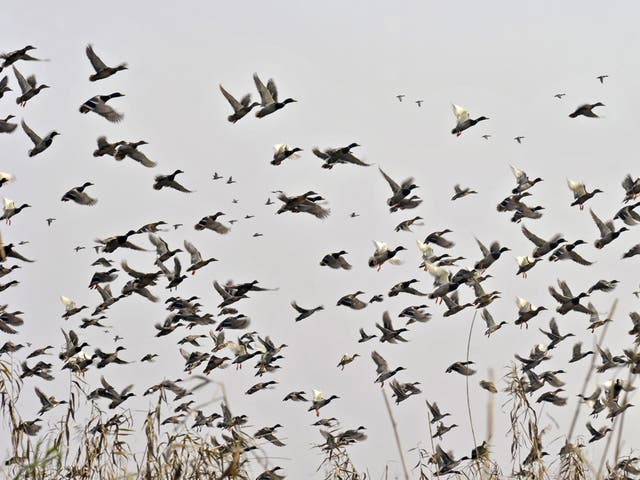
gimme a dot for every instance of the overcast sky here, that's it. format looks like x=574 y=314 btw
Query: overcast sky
x=344 y=62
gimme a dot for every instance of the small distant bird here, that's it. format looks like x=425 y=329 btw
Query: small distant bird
x=559 y=95
x=486 y=137
x=365 y=337
x=98 y=104
x=169 y=181
x=488 y=386
x=335 y=261
x=269 y=202
x=354 y=214
x=463 y=120
x=400 y=97
x=102 y=71
x=525 y=264
x=492 y=326
x=230 y=180
x=405 y=225
x=39 y=144
x=50 y=221
x=28 y=87
x=597 y=434
x=346 y=360
x=462 y=368
x=257 y=234
x=78 y=248
x=10 y=210
x=586 y=110
x=419 y=102
x=602 y=77
x=304 y=312
x=580 y=194
x=240 y=108
x=79 y=196
x=211 y=222
x=461 y=192
x=519 y=139
x=283 y=151
x=216 y=176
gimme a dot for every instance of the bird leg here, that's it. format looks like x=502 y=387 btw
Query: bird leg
x=317 y=413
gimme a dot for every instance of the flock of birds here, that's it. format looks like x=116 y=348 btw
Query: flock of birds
x=206 y=352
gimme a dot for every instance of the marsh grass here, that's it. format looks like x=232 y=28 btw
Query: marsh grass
x=85 y=442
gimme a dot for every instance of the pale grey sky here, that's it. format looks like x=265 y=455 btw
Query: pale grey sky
x=344 y=62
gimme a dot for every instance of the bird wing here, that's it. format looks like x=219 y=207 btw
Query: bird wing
x=440 y=275
x=159 y=243
x=577 y=188
x=271 y=86
x=519 y=174
x=297 y=308
x=483 y=249
x=604 y=230
x=380 y=246
x=265 y=94
x=557 y=296
x=96 y=63
x=9 y=204
x=31 y=134
x=592 y=430
x=317 y=395
x=105 y=110
x=627 y=183
x=230 y=98
x=380 y=362
x=394 y=186
x=579 y=259
x=193 y=251
x=319 y=153
x=41 y=396
x=537 y=241
x=102 y=142
x=566 y=291
x=523 y=305
x=461 y=114
x=177 y=267
x=553 y=326
x=351 y=158
x=68 y=303
x=223 y=293
x=386 y=321
x=138 y=156
x=24 y=85
x=577 y=349
x=425 y=249
x=488 y=318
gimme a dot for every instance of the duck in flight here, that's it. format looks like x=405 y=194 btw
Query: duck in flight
x=463 y=120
